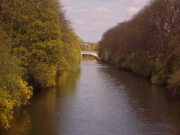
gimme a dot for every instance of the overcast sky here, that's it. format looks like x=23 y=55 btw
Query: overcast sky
x=91 y=18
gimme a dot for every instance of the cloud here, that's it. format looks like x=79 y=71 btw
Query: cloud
x=99 y=23
x=66 y=2
x=137 y=3
x=133 y=10
x=79 y=22
x=102 y=10
x=106 y=0
x=91 y=18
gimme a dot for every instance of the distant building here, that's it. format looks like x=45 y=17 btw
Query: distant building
x=86 y=46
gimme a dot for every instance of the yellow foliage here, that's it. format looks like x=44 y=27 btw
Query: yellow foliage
x=32 y=44
x=25 y=92
x=8 y=100
x=6 y=106
x=44 y=74
x=51 y=76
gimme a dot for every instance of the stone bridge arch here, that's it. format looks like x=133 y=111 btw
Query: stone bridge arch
x=93 y=53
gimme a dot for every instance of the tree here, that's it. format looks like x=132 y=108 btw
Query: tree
x=36 y=43
x=144 y=43
x=14 y=90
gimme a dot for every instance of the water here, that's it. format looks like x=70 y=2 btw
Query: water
x=99 y=100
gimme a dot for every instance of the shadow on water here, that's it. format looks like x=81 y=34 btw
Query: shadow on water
x=152 y=105
x=38 y=118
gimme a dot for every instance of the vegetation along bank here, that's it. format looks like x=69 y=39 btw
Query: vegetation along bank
x=148 y=44
x=36 y=43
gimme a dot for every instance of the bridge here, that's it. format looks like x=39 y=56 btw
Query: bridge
x=93 y=53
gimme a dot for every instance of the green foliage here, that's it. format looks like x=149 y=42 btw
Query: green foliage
x=95 y=46
x=174 y=81
x=159 y=77
x=42 y=37
x=36 y=44
x=14 y=90
x=127 y=63
x=174 y=78
x=71 y=54
x=71 y=41
x=6 y=106
x=46 y=76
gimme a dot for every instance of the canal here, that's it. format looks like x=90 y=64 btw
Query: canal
x=99 y=100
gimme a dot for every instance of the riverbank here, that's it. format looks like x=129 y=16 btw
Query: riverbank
x=147 y=46
x=145 y=72
x=99 y=99
x=37 y=42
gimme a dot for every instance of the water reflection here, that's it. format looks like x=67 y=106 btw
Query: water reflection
x=99 y=100
x=40 y=117
x=149 y=103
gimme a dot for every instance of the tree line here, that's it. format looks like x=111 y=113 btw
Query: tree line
x=37 y=43
x=148 y=44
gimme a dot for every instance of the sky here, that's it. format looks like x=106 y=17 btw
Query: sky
x=91 y=18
